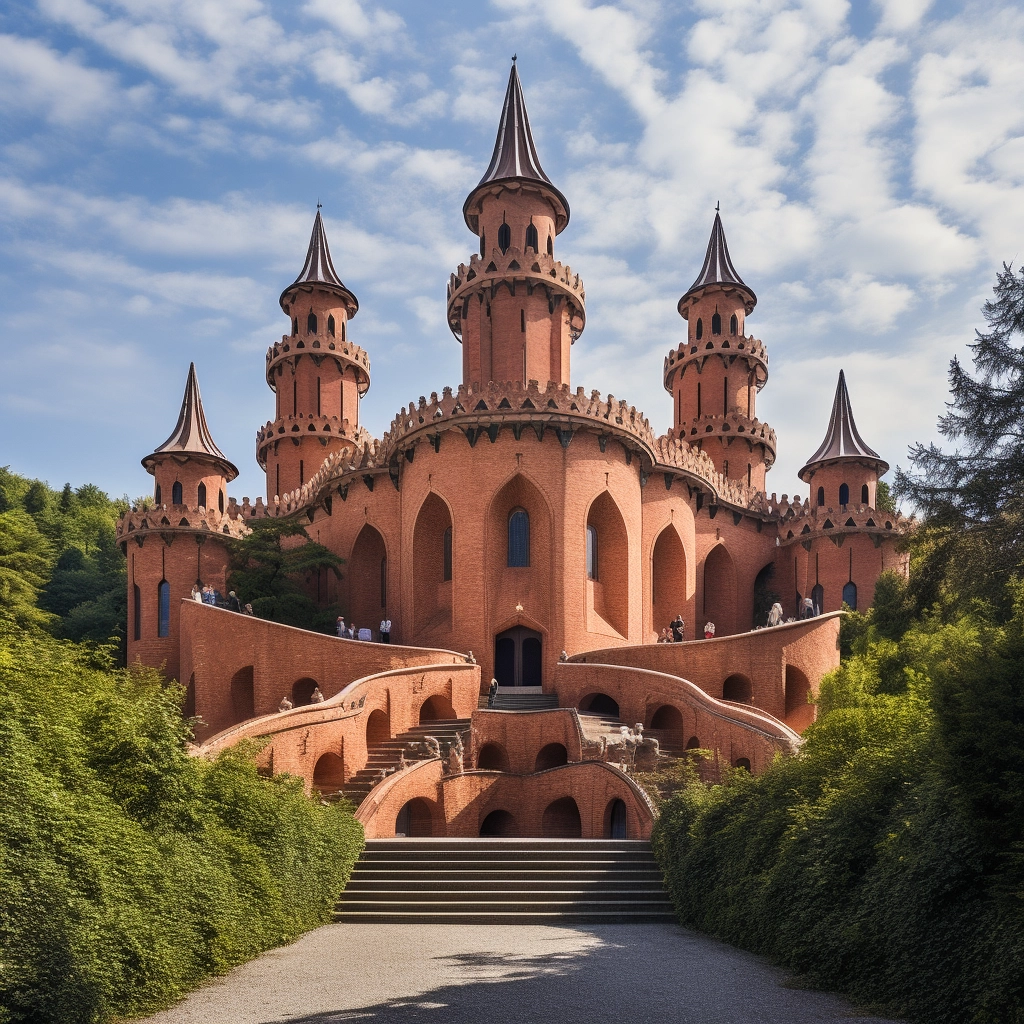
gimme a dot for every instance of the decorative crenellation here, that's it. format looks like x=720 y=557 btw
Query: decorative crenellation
x=727 y=347
x=322 y=427
x=182 y=518
x=346 y=354
x=534 y=270
x=808 y=522
x=735 y=426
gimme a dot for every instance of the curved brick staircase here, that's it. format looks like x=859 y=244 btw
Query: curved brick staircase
x=505 y=881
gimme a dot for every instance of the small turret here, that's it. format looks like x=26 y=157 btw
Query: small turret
x=515 y=309
x=715 y=374
x=844 y=470
x=318 y=374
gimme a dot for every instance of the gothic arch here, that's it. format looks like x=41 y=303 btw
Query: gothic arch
x=608 y=592
x=799 y=714
x=432 y=593
x=243 y=700
x=719 y=591
x=668 y=579
x=367 y=590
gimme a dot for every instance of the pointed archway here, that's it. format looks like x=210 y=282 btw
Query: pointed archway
x=367 y=579
x=668 y=580
x=607 y=567
x=432 y=567
x=719 y=591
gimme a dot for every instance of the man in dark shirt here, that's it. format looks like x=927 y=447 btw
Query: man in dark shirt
x=678 y=627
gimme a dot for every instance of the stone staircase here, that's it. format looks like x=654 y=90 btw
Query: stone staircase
x=522 y=698
x=385 y=755
x=505 y=881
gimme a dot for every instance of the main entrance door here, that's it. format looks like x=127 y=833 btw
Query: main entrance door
x=517 y=657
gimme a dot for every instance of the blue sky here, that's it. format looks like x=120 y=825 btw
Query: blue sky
x=160 y=164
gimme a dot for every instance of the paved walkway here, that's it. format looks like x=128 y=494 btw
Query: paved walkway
x=477 y=974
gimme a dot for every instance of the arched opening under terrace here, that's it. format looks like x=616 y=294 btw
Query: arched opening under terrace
x=302 y=691
x=367 y=579
x=562 y=820
x=665 y=724
x=742 y=762
x=432 y=592
x=799 y=714
x=493 y=757
x=378 y=728
x=719 y=591
x=616 y=820
x=437 y=708
x=329 y=773
x=668 y=579
x=599 y=704
x=551 y=755
x=608 y=587
x=499 y=825
x=738 y=688
x=415 y=820
x=243 y=699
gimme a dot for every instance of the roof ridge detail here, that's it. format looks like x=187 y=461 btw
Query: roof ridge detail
x=842 y=439
x=718 y=267
x=319 y=267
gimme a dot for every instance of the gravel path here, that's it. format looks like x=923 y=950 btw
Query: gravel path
x=478 y=974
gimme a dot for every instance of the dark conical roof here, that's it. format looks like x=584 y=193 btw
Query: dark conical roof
x=191 y=435
x=842 y=441
x=718 y=267
x=515 y=154
x=319 y=267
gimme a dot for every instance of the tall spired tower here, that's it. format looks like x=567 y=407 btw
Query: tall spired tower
x=515 y=309
x=317 y=373
x=715 y=375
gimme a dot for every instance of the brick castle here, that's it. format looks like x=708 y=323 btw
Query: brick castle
x=548 y=531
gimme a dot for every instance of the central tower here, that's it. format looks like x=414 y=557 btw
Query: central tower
x=515 y=309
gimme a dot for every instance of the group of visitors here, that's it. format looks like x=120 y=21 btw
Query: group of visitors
x=362 y=633
x=674 y=632
x=208 y=594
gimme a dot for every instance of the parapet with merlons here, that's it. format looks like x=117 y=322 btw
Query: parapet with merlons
x=735 y=427
x=512 y=269
x=805 y=523
x=344 y=353
x=324 y=428
x=143 y=520
x=729 y=348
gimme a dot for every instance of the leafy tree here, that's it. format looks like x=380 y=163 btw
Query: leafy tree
x=973 y=496
x=274 y=567
x=24 y=567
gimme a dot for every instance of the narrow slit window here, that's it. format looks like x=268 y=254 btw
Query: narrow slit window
x=551 y=246
x=698 y=398
x=318 y=396
x=519 y=539
x=522 y=320
x=136 y=612
x=302 y=472
x=733 y=324
x=531 y=236
x=331 y=325
x=220 y=502
x=295 y=325
x=176 y=493
x=748 y=474
x=821 y=497
x=592 y=565
x=483 y=242
x=699 y=331
x=311 y=323
x=446 y=567
x=504 y=237
x=202 y=495
x=716 y=324
x=163 y=601
x=864 y=494
x=844 y=494
x=157 y=497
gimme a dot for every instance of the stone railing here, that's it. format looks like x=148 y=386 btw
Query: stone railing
x=321 y=427
x=535 y=270
x=291 y=346
x=728 y=346
x=809 y=522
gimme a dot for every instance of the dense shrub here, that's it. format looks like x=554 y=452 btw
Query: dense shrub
x=130 y=870
x=886 y=859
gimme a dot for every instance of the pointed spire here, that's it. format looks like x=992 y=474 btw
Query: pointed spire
x=191 y=436
x=842 y=440
x=718 y=267
x=515 y=154
x=319 y=267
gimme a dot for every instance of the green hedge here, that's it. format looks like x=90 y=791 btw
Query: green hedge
x=130 y=870
x=886 y=859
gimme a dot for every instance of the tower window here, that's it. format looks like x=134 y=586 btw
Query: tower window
x=311 y=323
x=504 y=237
x=844 y=494
x=699 y=332
x=591 y=552
x=163 y=610
x=295 y=325
x=136 y=612
x=330 y=325
x=551 y=246
x=446 y=557
x=864 y=494
x=733 y=324
x=522 y=320
x=519 y=539
x=157 y=496
x=202 y=495
x=850 y=595
x=531 y=236
x=220 y=501
x=716 y=324
x=748 y=475
x=483 y=242
x=344 y=332
x=176 y=493
x=821 y=496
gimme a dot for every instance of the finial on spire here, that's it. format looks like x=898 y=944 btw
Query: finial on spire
x=514 y=58
x=319 y=207
x=718 y=206
x=319 y=267
x=718 y=268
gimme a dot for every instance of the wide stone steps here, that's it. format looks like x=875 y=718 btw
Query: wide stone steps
x=505 y=881
x=523 y=698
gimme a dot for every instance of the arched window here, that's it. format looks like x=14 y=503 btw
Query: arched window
x=163 y=609
x=818 y=598
x=176 y=493
x=844 y=494
x=863 y=494
x=519 y=539
x=483 y=241
x=504 y=237
x=220 y=501
x=522 y=321
x=136 y=612
x=330 y=325
x=551 y=246
x=716 y=324
x=748 y=475
x=302 y=471
x=850 y=595
x=311 y=323
x=344 y=332
x=531 y=236
x=295 y=325
x=591 y=552
x=699 y=332
x=202 y=496
x=734 y=324
x=821 y=496
x=157 y=495
x=446 y=568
